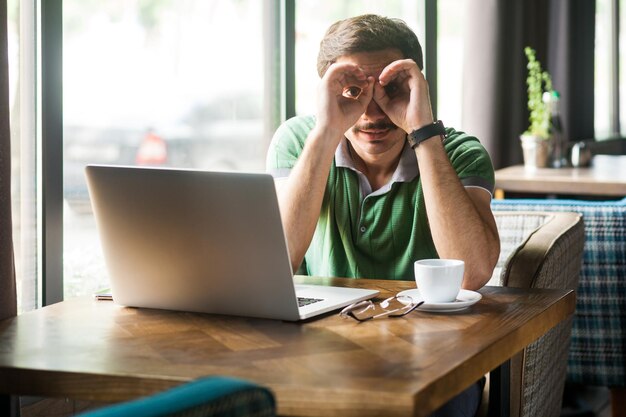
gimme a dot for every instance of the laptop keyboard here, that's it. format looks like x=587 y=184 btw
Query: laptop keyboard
x=302 y=301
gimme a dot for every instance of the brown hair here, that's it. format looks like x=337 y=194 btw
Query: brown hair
x=367 y=33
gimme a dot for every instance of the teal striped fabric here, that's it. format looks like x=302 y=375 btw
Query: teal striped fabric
x=598 y=345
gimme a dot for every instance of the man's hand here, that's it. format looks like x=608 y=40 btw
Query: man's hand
x=402 y=93
x=344 y=93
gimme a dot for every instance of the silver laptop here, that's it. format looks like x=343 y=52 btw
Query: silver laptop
x=200 y=241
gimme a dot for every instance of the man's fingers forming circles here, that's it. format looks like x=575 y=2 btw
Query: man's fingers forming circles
x=398 y=71
x=350 y=80
x=345 y=72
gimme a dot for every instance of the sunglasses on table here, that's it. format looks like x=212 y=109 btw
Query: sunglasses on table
x=396 y=306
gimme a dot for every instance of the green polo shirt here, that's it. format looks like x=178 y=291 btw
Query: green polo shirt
x=377 y=234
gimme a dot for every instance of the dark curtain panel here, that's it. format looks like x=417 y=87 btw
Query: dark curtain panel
x=8 y=301
x=494 y=83
x=571 y=62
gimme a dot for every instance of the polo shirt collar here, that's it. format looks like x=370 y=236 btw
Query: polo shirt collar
x=406 y=171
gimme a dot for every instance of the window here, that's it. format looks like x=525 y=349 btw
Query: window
x=155 y=83
x=449 y=62
x=610 y=69
x=603 y=95
x=149 y=82
x=24 y=187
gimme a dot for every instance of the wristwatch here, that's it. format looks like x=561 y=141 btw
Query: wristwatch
x=423 y=133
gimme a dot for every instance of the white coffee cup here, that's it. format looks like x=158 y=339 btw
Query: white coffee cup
x=439 y=280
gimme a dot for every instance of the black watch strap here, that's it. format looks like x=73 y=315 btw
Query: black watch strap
x=423 y=133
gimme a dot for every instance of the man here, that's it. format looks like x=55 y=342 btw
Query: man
x=372 y=184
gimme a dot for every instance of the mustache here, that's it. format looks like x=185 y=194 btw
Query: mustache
x=382 y=125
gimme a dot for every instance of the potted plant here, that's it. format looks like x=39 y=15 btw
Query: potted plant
x=536 y=140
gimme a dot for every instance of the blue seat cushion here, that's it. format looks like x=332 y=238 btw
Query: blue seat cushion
x=206 y=397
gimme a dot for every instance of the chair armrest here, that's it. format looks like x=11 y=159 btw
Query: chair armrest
x=524 y=265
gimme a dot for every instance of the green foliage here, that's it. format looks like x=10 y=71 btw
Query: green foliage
x=538 y=82
x=151 y=11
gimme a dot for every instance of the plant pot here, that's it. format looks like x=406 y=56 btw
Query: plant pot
x=537 y=151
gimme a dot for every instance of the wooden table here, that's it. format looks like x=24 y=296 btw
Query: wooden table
x=606 y=177
x=98 y=351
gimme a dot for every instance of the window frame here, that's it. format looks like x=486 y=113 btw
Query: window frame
x=280 y=34
x=51 y=197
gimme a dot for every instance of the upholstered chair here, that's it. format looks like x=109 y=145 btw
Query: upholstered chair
x=538 y=250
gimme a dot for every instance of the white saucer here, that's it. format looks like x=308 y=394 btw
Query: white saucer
x=465 y=299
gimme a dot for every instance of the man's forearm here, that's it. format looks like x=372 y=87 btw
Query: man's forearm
x=300 y=196
x=462 y=227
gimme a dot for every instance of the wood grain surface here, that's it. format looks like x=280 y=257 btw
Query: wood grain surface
x=98 y=351
x=606 y=178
